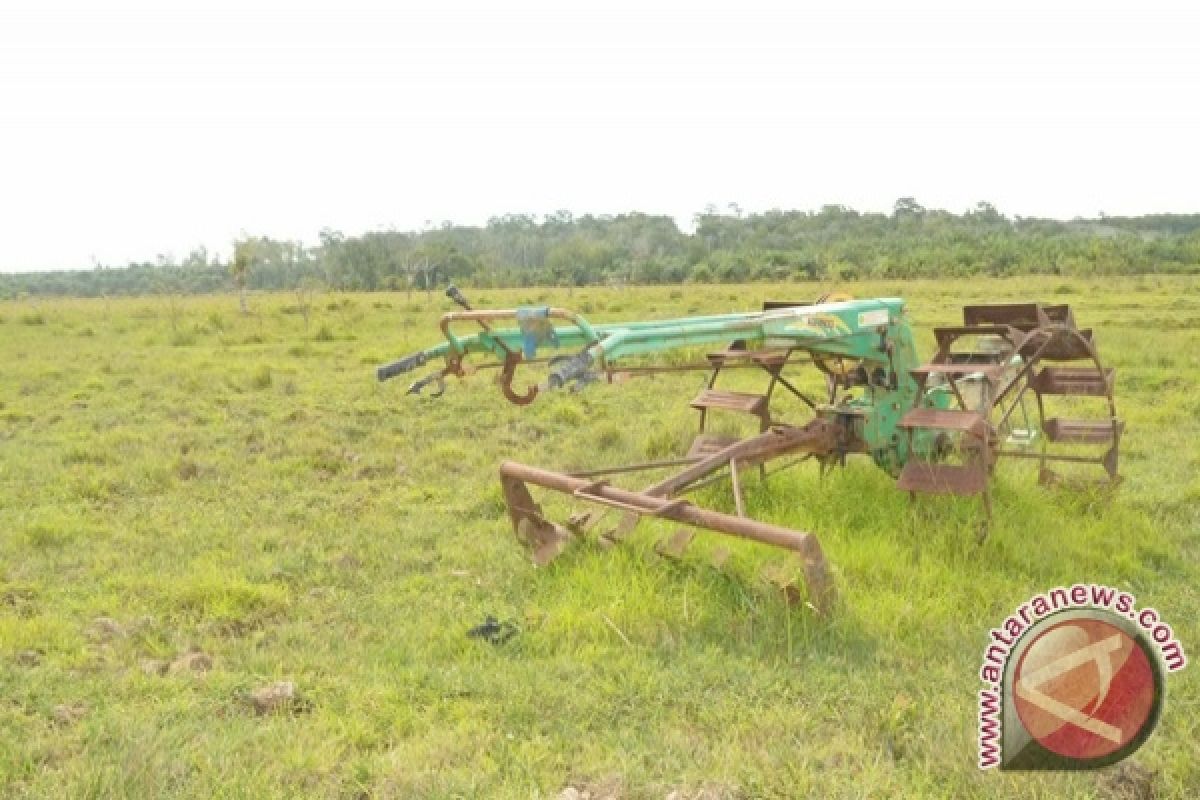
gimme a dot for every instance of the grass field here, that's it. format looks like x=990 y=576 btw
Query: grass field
x=196 y=504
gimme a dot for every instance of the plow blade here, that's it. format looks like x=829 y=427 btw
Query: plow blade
x=547 y=539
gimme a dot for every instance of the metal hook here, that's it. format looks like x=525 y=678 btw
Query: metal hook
x=438 y=378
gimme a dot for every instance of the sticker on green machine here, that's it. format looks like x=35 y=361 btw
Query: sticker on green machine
x=869 y=319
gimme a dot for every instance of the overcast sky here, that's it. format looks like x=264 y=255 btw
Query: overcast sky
x=130 y=129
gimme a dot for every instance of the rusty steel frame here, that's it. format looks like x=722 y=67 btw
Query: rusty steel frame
x=548 y=538
x=1049 y=334
x=819 y=437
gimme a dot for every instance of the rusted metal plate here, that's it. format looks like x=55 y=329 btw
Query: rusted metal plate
x=969 y=421
x=675 y=546
x=1082 y=431
x=519 y=502
x=1019 y=315
x=620 y=532
x=545 y=539
x=579 y=522
x=1023 y=316
x=731 y=401
x=1083 y=381
x=918 y=476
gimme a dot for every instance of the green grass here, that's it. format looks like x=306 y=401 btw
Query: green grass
x=240 y=485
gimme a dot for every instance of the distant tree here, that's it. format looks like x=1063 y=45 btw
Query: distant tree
x=197 y=258
x=728 y=244
x=908 y=205
x=239 y=268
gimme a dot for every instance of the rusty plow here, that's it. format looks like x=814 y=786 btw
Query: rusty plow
x=546 y=540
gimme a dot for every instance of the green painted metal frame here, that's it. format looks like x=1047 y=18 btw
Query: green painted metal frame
x=875 y=333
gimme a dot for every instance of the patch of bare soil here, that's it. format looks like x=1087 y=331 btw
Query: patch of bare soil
x=1128 y=781
x=280 y=697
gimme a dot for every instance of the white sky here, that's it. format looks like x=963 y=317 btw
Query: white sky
x=129 y=129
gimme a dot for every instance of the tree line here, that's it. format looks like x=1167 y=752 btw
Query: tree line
x=726 y=245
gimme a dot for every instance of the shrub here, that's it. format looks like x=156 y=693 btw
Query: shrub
x=261 y=379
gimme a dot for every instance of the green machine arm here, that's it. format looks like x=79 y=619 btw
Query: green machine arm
x=875 y=333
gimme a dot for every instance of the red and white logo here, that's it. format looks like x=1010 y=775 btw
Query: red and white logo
x=1084 y=689
x=1074 y=679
